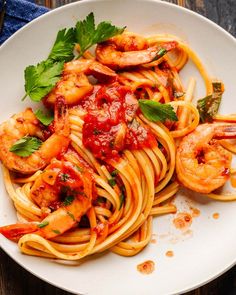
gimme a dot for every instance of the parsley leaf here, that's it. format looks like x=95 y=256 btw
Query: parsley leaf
x=56 y=231
x=161 y=52
x=71 y=215
x=63 y=47
x=79 y=168
x=26 y=146
x=87 y=34
x=209 y=105
x=45 y=119
x=64 y=177
x=122 y=199
x=156 y=111
x=112 y=181
x=40 y=79
x=114 y=173
x=43 y=224
x=68 y=200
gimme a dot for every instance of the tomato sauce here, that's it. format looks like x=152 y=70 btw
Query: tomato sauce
x=183 y=221
x=216 y=215
x=147 y=267
x=109 y=125
x=169 y=253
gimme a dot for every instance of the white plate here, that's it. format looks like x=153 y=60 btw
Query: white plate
x=209 y=248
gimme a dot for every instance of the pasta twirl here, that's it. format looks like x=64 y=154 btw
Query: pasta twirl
x=106 y=165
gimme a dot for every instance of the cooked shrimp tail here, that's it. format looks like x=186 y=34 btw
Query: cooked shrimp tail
x=202 y=164
x=70 y=211
x=15 y=231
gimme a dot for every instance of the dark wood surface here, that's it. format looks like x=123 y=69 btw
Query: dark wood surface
x=14 y=280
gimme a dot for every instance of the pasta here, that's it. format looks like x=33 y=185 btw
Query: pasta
x=125 y=177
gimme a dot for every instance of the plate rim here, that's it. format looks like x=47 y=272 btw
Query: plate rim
x=167 y=4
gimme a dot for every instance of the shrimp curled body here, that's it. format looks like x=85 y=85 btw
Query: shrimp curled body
x=26 y=124
x=202 y=164
x=74 y=186
x=74 y=84
x=128 y=50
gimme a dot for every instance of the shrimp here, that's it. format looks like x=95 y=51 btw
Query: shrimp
x=74 y=190
x=202 y=164
x=58 y=179
x=26 y=124
x=128 y=50
x=74 y=84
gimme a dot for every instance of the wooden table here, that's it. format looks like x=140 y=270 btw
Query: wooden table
x=14 y=280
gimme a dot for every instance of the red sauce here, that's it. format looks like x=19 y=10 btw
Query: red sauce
x=226 y=172
x=153 y=241
x=147 y=267
x=195 y=212
x=216 y=215
x=183 y=221
x=170 y=253
x=60 y=183
x=109 y=125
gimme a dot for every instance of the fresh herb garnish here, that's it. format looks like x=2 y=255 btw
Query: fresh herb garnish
x=45 y=119
x=122 y=197
x=63 y=47
x=112 y=181
x=79 y=168
x=64 y=177
x=96 y=131
x=161 y=52
x=114 y=173
x=156 y=111
x=68 y=200
x=26 y=146
x=87 y=34
x=71 y=215
x=56 y=231
x=209 y=105
x=40 y=79
x=43 y=224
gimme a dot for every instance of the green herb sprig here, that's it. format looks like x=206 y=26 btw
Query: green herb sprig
x=156 y=111
x=209 y=105
x=41 y=78
x=45 y=119
x=25 y=146
x=87 y=34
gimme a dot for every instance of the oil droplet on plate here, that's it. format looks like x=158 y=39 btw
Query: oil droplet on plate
x=215 y=215
x=183 y=221
x=147 y=267
x=169 y=253
x=153 y=241
x=195 y=212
